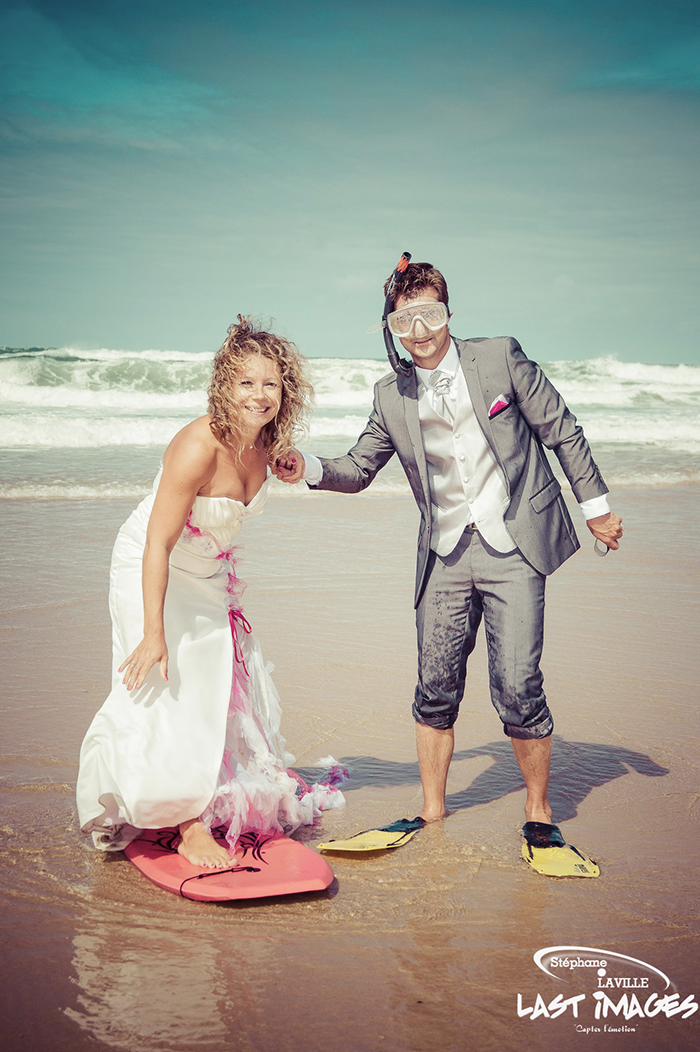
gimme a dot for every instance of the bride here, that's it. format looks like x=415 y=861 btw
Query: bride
x=189 y=735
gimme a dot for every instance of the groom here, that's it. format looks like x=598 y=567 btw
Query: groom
x=468 y=422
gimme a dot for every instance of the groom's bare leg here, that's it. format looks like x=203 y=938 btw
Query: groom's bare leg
x=435 y=748
x=533 y=756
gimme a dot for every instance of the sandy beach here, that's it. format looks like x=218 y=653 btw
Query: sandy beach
x=425 y=947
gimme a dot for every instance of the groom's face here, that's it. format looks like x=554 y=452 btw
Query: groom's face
x=427 y=348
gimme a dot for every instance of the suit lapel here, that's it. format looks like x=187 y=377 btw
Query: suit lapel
x=468 y=362
x=408 y=389
x=471 y=374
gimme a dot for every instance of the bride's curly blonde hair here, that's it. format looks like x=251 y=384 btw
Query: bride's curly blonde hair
x=279 y=435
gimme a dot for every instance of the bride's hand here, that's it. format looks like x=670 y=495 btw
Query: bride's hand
x=289 y=468
x=149 y=652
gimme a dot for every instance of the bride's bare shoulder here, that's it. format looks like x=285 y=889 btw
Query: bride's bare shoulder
x=198 y=431
x=193 y=447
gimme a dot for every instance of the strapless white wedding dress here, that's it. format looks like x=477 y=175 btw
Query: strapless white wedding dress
x=207 y=742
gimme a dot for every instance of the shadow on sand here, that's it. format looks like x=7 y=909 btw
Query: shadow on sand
x=577 y=768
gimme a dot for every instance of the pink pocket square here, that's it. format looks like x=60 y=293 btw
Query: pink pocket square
x=498 y=405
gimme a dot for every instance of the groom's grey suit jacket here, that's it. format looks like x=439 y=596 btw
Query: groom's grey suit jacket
x=536 y=518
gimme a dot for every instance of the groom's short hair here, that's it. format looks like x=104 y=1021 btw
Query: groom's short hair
x=415 y=278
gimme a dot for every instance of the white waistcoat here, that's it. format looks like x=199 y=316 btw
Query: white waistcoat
x=466 y=482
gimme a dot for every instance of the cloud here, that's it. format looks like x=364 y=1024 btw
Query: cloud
x=676 y=66
x=51 y=89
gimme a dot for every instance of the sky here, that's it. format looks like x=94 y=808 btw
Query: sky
x=165 y=166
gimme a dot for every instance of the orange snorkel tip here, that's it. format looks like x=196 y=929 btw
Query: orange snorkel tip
x=403 y=262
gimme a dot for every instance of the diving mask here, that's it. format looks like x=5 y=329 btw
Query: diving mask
x=433 y=315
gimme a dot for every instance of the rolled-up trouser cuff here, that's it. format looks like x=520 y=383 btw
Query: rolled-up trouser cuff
x=441 y=722
x=542 y=729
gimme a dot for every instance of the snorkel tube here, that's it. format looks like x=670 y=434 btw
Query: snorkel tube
x=401 y=366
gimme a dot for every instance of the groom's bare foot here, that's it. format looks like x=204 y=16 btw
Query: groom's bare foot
x=432 y=815
x=199 y=847
x=539 y=814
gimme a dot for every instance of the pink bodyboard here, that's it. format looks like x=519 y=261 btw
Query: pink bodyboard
x=261 y=866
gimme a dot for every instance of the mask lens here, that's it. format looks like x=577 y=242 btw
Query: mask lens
x=433 y=316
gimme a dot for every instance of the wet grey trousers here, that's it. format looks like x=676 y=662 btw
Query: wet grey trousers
x=472 y=583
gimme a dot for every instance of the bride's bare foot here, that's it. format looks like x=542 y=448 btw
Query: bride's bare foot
x=199 y=847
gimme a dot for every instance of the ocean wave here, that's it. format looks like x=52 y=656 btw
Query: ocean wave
x=70 y=377
x=337 y=426
x=75 y=431
x=680 y=477
x=607 y=381
x=345 y=383
x=66 y=491
x=105 y=354
x=71 y=490
x=148 y=378
x=381 y=487
x=71 y=430
x=156 y=379
x=80 y=432
x=193 y=403
x=678 y=432
x=72 y=398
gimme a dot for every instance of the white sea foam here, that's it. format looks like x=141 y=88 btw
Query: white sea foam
x=679 y=477
x=666 y=431
x=381 y=487
x=79 y=432
x=57 y=377
x=107 y=354
x=66 y=491
x=643 y=419
x=607 y=381
x=341 y=426
x=191 y=403
x=70 y=430
x=345 y=384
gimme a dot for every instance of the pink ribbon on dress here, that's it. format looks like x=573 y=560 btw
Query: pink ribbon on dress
x=238 y=617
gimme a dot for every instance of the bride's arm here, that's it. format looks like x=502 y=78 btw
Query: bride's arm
x=188 y=465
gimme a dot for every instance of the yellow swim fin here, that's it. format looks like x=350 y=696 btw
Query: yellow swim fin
x=548 y=853
x=394 y=835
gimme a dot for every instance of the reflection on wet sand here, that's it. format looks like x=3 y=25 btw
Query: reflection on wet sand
x=141 y=989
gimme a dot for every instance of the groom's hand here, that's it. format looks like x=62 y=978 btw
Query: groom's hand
x=607 y=529
x=290 y=467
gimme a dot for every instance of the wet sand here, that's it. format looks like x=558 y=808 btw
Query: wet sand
x=423 y=948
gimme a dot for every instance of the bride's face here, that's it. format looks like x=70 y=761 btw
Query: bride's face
x=258 y=391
